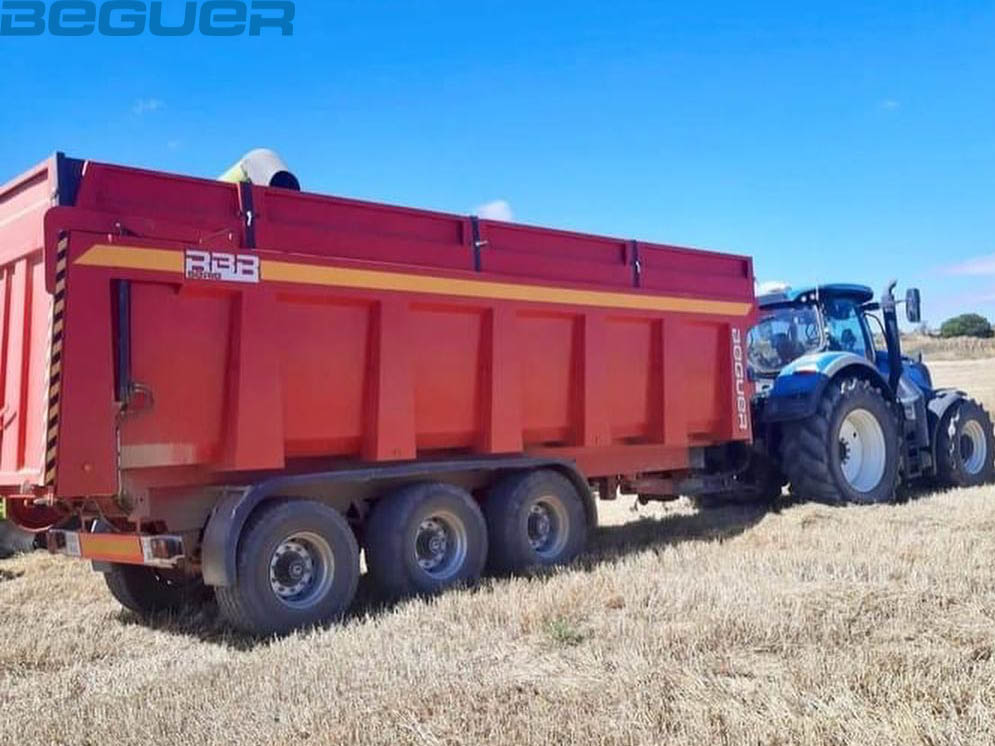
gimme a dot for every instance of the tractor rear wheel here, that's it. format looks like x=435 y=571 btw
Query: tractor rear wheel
x=965 y=450
x=848 y=451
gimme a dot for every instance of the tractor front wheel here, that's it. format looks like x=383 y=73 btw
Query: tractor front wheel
x=848 y=451
x=965 y=450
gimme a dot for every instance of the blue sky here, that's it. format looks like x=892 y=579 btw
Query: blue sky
x=830 y=141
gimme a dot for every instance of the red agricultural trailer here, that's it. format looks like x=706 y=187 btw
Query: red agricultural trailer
x=241 y=386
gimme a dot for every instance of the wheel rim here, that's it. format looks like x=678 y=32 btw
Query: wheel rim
x=440 y=545
x=863 y=450
x=547 y=526
x=301 y=570
x=973 y=447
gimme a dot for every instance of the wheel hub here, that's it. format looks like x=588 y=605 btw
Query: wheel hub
x=862 y=450
x=540 y=526
x=547 y=526
x=973 y=447
x=441 y=545
x=432 y=543
x=844 y=451
x=300 y=569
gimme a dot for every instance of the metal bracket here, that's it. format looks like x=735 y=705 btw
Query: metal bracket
x=477 y=243
x=248 y=213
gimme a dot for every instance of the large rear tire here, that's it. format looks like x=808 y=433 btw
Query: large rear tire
x=534 y=518
x=965 y=446
x=147 y=590
x=297 y=566
x=848 y=451
x=425 y=538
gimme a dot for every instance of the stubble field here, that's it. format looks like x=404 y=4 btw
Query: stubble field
x=810 y=625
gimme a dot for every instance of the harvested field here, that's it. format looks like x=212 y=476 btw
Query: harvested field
x=812 y=625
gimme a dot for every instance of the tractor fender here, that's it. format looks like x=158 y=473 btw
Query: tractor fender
x=799 y=387
x=347 y=488
x=936 y=408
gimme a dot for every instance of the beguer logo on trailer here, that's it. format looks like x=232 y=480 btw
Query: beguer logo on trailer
x=134 y=18
x=739 y=379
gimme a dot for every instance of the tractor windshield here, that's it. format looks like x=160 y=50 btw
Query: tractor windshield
x=783 y=335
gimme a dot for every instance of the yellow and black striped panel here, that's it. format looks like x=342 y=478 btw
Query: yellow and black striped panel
x=55 y=359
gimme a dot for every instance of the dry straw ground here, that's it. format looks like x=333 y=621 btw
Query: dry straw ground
x=813 y=625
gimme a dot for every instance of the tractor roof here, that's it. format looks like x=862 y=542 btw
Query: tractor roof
x=804 y=296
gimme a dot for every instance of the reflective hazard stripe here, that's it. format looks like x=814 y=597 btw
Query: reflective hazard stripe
x=56 y=335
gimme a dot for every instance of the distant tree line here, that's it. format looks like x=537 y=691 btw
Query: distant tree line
x=967 y=325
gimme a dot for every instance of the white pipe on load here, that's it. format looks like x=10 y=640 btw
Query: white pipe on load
x=262 y=167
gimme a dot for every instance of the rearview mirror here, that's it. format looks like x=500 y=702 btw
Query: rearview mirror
x=912 y=309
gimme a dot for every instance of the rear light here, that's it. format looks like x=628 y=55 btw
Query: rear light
x=159 y=549
x=63 y=542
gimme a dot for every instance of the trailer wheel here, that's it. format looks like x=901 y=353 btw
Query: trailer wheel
x=425 y=538
x=14 y=539
x=848 y=451
x=297 y=565
x=534 y=518
x=147 y=590
x=964 y=446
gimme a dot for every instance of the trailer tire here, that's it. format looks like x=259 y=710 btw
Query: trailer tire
x=534 y=518
x=425 y=538
x=817 y=451
x=147 y=590
x=965 y=446
x=297 y=566
x=14 y=540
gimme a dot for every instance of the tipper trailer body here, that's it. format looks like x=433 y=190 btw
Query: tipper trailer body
x=177 y=354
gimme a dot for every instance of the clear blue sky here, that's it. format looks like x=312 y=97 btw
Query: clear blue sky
x=831 y=141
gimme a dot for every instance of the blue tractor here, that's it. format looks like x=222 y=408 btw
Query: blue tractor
x=842 y=420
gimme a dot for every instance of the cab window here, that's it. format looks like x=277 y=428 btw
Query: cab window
x=844 y=328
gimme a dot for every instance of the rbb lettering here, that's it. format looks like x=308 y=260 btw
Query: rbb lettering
x=221 y=266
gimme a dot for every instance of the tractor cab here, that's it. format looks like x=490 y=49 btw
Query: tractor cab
x=798 y=323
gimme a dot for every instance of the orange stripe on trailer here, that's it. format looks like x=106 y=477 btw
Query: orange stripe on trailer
x=131 y=257
x=375 y=280
x=111 y=547
x=164 y=260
